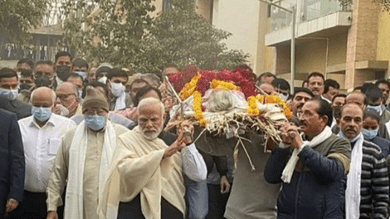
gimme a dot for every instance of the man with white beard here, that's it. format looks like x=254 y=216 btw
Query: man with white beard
x=146 y=175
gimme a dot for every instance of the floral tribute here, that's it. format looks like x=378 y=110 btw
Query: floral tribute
x=192 y=82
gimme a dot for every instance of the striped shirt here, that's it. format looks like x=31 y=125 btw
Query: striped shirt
x=374 y=188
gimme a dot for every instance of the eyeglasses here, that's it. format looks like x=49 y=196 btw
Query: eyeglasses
x=64 y=96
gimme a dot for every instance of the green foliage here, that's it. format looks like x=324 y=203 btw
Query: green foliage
x=112 y=33
x=181 y=36
x=17 y=17
x=177 y=35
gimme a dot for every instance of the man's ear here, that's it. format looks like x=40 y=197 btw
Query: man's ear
x=325 y=119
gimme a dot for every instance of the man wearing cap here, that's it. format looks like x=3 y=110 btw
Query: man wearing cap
x=83 y=159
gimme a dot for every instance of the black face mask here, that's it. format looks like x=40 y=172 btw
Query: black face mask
x=43 y=81
x=63 y=72
x=24 y=86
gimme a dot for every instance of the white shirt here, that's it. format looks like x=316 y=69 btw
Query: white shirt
x=40 y=148
x=193 y=163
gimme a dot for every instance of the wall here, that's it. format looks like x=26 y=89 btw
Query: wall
x=241 y=19
x=383 y=47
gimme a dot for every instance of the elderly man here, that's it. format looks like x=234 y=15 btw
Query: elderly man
x=43 y=76
x=12 y=163
x=367 y=193
x=314 y=170
x=158 y=190
x=41 y=135
x=77 y=80
x=83 y=160
x=68 y=102
x=316 y=83
x=9 y=85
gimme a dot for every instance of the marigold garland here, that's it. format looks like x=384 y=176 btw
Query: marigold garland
x=190 y=87
x=253 y=109
x=223 y=84
x=198 y=108
x=274 y=98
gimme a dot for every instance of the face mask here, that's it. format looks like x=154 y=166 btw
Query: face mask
x=63 y=72
x=117 y=89
x=43 y=81
x=41 y=113
x=103 y=80
x=378 y=108
x=64 y=110
x=283 y=96
x=24 y=86
x=369 y=133
x=95 y=122
x=10 y=94
x=80 y=94
x=82 y=74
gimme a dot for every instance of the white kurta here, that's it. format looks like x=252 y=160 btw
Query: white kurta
x=91 y=172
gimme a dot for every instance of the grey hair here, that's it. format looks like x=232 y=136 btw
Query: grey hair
x=221 y=100
x=154 y=79
x=147 y=102
x=53 y=94
x=73 y=87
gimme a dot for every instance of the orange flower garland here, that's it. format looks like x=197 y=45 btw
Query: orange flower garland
x=253 y=109
x=198 y=108
x=274 y=98
x=190 y=87
x=223 y=84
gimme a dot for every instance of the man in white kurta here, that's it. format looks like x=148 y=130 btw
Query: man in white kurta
x=41 y=135
x=83 y=160
x=146 y=175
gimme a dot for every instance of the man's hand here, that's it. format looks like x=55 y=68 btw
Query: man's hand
x=225 y=185
x=186 y=131
x=175 y=147
x=11 y=205
x=52 y=215
x=290 y=135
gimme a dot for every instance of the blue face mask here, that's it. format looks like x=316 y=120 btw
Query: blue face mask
x=369 y=133
x=41 y=113
x=95 y=122
x=378 y=108
x=9 y=94
x=82 y=74
x=283 y=96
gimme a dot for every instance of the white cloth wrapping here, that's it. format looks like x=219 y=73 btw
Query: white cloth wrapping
x=289 y=169
x=77 y=151
x=352 y=193
x=120 y=102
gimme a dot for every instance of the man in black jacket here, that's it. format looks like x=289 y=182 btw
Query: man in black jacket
x=313 y=171
x=12 y=163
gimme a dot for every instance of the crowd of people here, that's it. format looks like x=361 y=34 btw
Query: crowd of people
x=100 y=142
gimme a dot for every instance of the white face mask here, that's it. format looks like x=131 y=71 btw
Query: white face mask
x=283 y=96
x=103 y=80
x=80 y=94
x=117 y=89
x=64 y=110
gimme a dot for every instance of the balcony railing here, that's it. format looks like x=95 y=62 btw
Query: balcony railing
x=309 y=10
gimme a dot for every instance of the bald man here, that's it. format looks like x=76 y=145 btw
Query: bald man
x=41 y=136
x=67 y=102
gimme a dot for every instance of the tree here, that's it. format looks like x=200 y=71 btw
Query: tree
x=18 y=17
x=123 y=33
x=181 y=36
x=108 y=31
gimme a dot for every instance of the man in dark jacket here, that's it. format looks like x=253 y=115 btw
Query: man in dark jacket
x=9 y=84
x=313 y=171
x=12 y=163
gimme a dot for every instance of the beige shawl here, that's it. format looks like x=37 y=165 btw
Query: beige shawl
x=138 y=167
